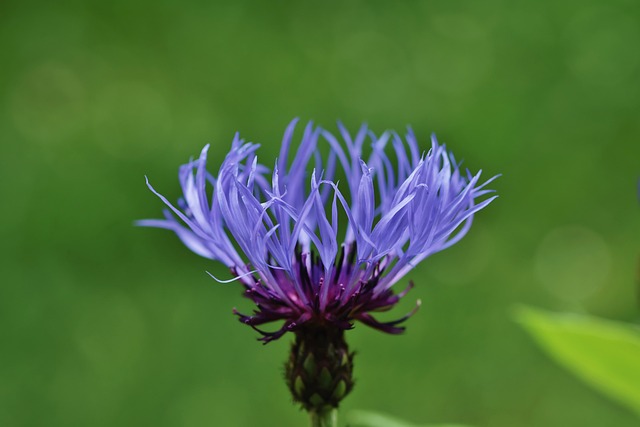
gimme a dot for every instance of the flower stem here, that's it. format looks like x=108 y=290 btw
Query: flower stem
x=327 y=418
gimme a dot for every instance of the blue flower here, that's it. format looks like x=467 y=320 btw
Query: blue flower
x=313 y=251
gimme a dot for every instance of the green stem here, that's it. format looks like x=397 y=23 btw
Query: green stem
x=328 y=418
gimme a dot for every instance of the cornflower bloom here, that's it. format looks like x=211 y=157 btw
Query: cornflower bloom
x=317 y=254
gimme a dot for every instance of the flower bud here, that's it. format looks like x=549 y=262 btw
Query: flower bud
x=319 y=372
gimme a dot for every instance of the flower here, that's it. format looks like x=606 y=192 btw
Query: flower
x=280 y=231
x=319 y=255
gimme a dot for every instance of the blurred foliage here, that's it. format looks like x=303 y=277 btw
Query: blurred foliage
x=373 y=419
x=104 y=324
x=604 y=354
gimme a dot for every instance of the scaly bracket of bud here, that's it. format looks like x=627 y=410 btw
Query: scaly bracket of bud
x=319 y=372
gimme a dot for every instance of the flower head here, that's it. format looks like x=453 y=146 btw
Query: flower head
x=314 y=251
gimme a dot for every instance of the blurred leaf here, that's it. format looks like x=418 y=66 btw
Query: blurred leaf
x=374 y=419
x=605 y=354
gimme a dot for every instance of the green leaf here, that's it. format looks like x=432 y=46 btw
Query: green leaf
x=374 y=419
x=603 y=353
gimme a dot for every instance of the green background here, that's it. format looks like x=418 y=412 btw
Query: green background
x=104 y=324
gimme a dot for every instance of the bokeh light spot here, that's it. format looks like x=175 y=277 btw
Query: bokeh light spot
x=572 y=262
x=48 y=104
